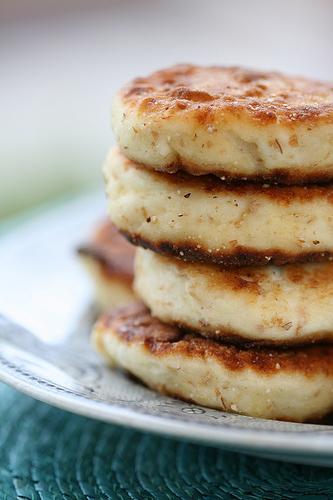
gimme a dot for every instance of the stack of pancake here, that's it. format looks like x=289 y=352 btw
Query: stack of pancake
x=223 y=178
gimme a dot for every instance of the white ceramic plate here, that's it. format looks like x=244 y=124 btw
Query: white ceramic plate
x=45 y=302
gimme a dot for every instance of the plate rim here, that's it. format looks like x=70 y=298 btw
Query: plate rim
x=316 y=444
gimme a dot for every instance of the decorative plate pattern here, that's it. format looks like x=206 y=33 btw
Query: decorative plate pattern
x=50 y=358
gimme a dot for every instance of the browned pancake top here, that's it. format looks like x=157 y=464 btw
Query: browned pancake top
x=209 y=92
x=134 y=324
x=112 y=250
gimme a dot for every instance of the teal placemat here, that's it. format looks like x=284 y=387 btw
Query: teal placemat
x=46 y=453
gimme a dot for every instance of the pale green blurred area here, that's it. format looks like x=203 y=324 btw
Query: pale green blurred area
x=61 y=62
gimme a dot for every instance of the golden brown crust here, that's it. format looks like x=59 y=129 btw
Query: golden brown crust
x=213 y=185
x=112 y=251
x=231 y=337
x=238 y=257
x=277 y=177
x=207 y=92
x=135 y=324
x=318 y=277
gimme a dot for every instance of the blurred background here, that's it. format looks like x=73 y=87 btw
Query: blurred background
x=61 y=62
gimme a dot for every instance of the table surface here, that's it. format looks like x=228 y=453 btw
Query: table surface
x=47 y=453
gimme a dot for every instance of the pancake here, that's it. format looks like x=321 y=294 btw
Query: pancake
x=229 y=121
x=293 y=384
x=108 y=258
x=204 y=219
x=292 y=304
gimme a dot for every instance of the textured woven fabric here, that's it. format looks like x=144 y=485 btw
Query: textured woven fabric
x=46 y=453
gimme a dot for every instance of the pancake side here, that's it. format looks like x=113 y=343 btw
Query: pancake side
x=293 y=384
x=205 y=219
x=292 y=304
